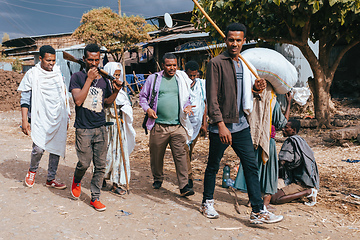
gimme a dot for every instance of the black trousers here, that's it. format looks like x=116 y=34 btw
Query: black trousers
x=243 y=147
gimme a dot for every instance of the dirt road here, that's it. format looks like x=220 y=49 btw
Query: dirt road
x=43 y=213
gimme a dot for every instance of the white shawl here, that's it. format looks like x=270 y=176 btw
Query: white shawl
x=184 y=83
x=197 y=98
x=49 y=108
x=248 y=82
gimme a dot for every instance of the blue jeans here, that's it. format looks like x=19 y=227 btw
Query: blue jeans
x=243 y=147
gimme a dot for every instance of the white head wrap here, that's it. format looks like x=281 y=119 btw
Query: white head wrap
x=111 y=67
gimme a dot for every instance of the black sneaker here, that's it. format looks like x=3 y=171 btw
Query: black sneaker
x=190 y=183
x=157 y=184
x=186 y=191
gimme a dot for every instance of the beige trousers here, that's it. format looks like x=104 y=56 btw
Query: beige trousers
x=190 y=149
x=160 y=136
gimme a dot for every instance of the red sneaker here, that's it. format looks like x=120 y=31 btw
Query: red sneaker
x=55 y=184
x=98 y=205
x=30 y=179
x=75 y=189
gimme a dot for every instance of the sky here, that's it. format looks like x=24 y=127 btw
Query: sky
x=23 y=18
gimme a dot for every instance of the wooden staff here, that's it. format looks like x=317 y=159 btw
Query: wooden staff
x=223 y=35
x=121 y=148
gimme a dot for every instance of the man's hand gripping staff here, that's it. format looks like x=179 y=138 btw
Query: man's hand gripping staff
x=116 y=83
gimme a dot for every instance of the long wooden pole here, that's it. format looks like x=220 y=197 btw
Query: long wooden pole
x=119 y=3
x=223 y=35
x=121 y=148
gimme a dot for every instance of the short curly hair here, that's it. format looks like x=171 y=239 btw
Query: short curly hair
x=295 y=124
x=92 y=47
x=192 y=65
x=239 y=27
x=46 y=49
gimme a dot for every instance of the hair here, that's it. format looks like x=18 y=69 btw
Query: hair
x=168 y=56
x=192 y=65
x=92 y=47
x=295 y=124
x=46 y=49
x=235 y=27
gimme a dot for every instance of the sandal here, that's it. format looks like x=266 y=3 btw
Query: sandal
x=312 y=198
x=118 y=191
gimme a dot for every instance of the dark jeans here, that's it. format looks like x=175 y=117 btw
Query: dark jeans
x=36 y=155
x=243 y=147
x=91 y=145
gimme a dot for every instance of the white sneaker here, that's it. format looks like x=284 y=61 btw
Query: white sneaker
x=312 y=196
x=264 y=216
x=208 y=210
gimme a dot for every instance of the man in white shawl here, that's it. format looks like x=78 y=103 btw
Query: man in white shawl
x=114 y=162
x=198 y=119
x=45 y=112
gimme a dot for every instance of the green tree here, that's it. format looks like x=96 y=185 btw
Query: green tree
x=331 y=22
x=5 y=37
x=108 y=29
x=16 y=65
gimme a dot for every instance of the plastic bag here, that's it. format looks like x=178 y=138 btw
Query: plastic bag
x=274 y=67
x=301 y=95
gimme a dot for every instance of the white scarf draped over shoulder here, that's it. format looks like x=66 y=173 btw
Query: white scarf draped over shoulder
x=184 y=83
x=49 y=108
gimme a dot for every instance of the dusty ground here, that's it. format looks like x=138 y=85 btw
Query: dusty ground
x=42 y=213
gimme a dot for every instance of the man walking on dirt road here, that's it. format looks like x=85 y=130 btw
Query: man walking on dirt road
x=45 y=113
x=229 y=86
x=165 y=97
x=91 y=94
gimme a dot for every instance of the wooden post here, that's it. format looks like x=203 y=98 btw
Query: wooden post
x=124 y=74
x=136 y=82
x=119 y=2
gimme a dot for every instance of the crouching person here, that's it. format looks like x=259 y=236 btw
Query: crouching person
x=297 y=167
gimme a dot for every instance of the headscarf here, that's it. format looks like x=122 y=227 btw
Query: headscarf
x=111 y=67
x=122 y=97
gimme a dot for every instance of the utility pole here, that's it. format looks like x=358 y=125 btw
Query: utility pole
x=119 y=2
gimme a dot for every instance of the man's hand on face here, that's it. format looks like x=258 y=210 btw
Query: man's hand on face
x=93 y=74
x=151 y=113
x=224 y=134
x=260 y=84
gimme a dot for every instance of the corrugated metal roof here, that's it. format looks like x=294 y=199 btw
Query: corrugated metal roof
x=17 y=42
